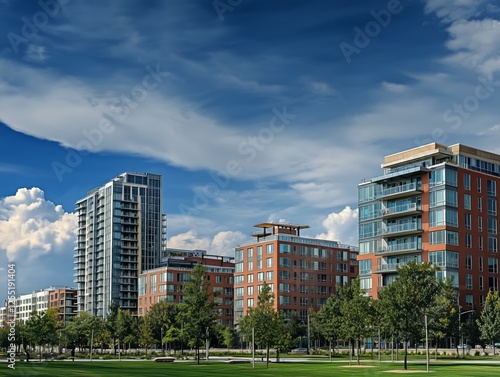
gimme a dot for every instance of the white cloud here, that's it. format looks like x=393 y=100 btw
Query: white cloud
x=223 y=243
x=32 y=226
x=394 y=87
x=492 y=131
x=342 y=226
x=452 y=10
x=321 y=88
x=35 y=53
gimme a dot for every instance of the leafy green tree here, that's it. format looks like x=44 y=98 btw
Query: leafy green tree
x=489 y=322
x=230 y=337
x=197 y=311
x=441 y=313
x=124 y=327
x=163 y=317
x=41 y=328
x=355 y=311
x=146 y=338
x=328 y=320
x=407 y=299
x=264 y=319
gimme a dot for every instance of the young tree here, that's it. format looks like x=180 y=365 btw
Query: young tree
x=163 y=317
x=355 y=312
x=146 y=333
x=407 y=299
x=328 y=320
x=230 y=337
x=41 y=328
x=489 y=322
x=197 y=311
x=264 y=319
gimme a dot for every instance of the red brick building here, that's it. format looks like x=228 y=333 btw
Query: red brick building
x=166 y=282
x=433 y=204
x=302 y=272
x=64 y=299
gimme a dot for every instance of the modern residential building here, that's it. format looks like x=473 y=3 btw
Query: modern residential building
x=64 y=299
x=302 y=272
x=433 y=204
x=167 y=281
x=121 y=232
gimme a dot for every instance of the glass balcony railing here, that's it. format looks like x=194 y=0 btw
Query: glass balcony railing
x=397 y=190
x=410 y=207
x=401 y=228
x=401 y=247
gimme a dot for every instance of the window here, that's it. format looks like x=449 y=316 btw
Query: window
x=443 y=197
x=480 y=242
x=492 y=207
x=304 y=265
x=492 y=225
x=443 y=216
x=493 y=265
x=304 y=301
x=269 y=275
x=250 y=290
x=284 y=287
x=304 y=276
x=468 y=240
x=304 y=289
x=250 y=253
x=239 y=292
x=478 y=184
x=468 y=300
x=467 y=201
x=468 y=281
x=238 y=255
x=239 y=279
x=480 y=204
x=238 y=267
x=491 y=187
x=480 y=263
x=468 y=262
x=481 y=283
x=284 y=248
x=269 y=248
x=480 y=223
x=492 y=244
x=260 y=276
x=365 y=267
x=249 y=265
x=466 y=181
x=284 y=262
x=269 y=262
x=444 y=236
x=250 y=278
x=468 y=221
x=152 y=284
x=250 y=303
x=284 y=300
x=284 y=275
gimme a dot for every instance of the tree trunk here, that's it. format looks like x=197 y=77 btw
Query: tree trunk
x=406 y=355
x=436 y=354
x=267 y=356
x=358 y=351
x=330 y=349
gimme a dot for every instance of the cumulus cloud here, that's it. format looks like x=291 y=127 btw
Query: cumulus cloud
x=394 y=87
x=341 y=226
x=223 y=243
x=452 y=10
x=32 y=226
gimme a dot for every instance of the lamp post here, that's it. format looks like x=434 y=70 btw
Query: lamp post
x=460 y=314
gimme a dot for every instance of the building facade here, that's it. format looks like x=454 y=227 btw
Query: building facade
x=121 y=232
x=64 y=299
x=302 y=272
x=432 y=204
x=167 y=281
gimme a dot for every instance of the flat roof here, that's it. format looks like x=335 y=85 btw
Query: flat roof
x=283 y=225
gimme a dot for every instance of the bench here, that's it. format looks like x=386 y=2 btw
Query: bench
x=165 y=359
x=238 y=361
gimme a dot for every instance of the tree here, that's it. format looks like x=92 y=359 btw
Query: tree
x=407 y=299
x=163 y=317
x=41 y=328
x=442 y=313
x=146 y=338
x=124 y=327
x=264 y=319
x=328 y=320
x=230 y=337
x=197 y=311
x=355 y=312
x=489 y=322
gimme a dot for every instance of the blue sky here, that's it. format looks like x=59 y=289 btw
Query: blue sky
x=251 y=110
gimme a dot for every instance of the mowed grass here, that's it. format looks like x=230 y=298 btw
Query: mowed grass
x=295 y=369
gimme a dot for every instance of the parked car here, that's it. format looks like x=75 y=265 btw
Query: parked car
x=464 y=346
x=299 y=350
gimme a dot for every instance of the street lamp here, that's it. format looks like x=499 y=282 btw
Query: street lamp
x=460 y=314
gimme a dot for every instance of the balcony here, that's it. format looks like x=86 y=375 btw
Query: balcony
x=389 y=267
x=404 y=209
x=401 y=191
x=401 y=229
x=401 y=248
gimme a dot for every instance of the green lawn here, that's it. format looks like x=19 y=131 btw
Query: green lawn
x=149 y=368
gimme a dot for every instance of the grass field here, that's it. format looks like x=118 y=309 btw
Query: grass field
x=188 y=369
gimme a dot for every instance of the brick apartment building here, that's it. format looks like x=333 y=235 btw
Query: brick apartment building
x=302 y=272
x=433 y=203
x=167 y=281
